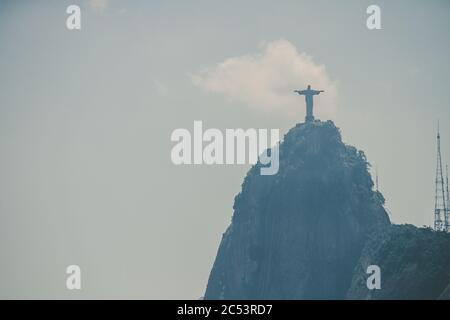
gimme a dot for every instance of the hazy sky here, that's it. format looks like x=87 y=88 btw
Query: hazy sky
x=86 y=118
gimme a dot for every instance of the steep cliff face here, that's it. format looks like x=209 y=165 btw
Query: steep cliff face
x=299 y=234
x=414 y=264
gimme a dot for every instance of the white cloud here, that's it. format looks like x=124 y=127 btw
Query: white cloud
x=99 y=4
x=266 y=80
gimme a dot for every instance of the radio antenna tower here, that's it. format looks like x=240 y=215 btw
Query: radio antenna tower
x=447 y=213
x=440 y=210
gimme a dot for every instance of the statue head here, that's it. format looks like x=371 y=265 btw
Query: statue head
x=309 y=87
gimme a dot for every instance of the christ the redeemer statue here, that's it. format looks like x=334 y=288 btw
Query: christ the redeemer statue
x=309 y=93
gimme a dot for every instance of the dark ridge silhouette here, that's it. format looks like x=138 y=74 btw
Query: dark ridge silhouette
x=414 y=263
x=309 y=231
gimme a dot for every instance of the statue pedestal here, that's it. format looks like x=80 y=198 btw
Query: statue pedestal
x=309 y=119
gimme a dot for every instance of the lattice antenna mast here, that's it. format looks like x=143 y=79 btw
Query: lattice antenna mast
x=439 y=204
x=447 y=212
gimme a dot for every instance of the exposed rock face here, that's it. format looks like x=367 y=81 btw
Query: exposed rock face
x=414 y=263
x=299 y=234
